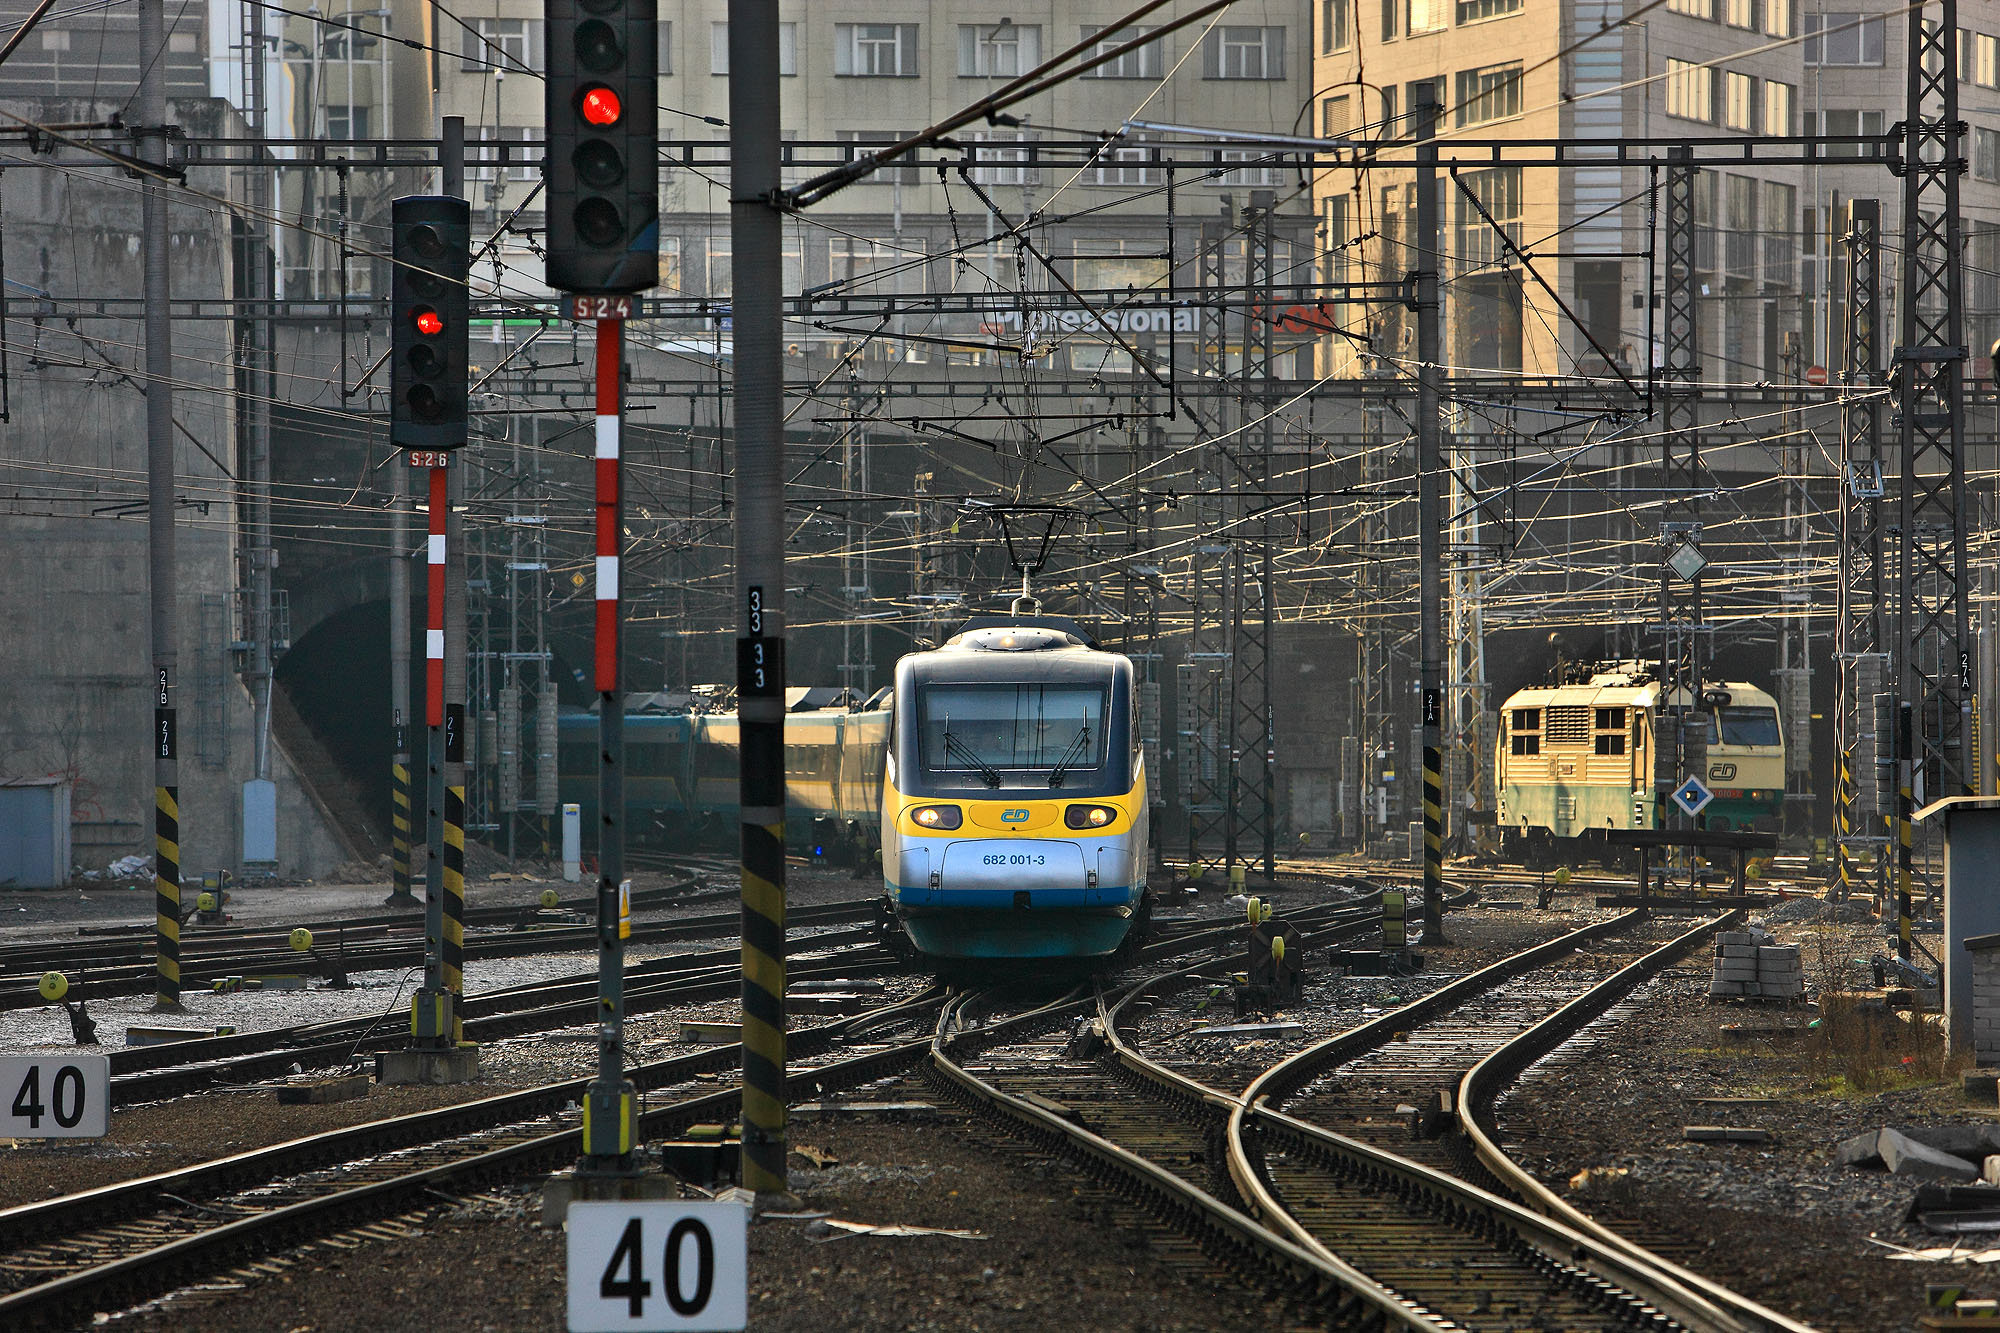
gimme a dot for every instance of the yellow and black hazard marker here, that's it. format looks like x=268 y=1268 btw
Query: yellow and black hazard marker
x=399 y=839
x=760 y=674
x=453 y=951
x=167 y=895
x=1905 y=766
x=1843 y=819
x=1433 y=844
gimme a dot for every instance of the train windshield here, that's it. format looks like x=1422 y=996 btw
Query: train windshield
x=981 y=730
x=1744 y=726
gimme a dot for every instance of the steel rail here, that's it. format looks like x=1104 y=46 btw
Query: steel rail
x=1482 y=1084
x=1353 y=1298
x=60 y=1300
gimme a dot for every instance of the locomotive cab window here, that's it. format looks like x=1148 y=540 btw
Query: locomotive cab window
x=1744 y=725
x=1526 y=729
x=1611 y=721
x=1032 y=734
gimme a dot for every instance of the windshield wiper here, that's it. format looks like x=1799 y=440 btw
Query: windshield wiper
x=1070 y=756
x=953 y=746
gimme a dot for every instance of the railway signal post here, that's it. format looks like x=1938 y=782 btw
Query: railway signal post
x=601 y=109
x=429 y=421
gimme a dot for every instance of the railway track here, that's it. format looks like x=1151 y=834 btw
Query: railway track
x=1376 y=1238
x=71 y=1257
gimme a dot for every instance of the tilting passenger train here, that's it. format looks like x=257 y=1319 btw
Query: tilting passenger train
x=1576 y=758
x=1014 y=814
x=681 y=772
x=1003 y=785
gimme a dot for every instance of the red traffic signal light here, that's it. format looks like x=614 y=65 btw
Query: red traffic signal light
x=429 y=323
x=601 y=106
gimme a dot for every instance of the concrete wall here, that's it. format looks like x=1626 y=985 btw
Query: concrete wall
x=74 y=671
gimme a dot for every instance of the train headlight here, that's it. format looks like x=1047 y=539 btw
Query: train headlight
x=1089 y=816
x=937 y=816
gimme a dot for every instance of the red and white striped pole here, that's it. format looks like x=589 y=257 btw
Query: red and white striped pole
x=429 y=1022
x=610 y=540
x=610 y=1122
x=440 y=503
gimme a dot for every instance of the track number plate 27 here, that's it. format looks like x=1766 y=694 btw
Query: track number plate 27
x=55 y=1097
x=666 y=1264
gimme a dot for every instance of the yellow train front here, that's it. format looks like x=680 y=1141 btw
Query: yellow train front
x=1014 y=819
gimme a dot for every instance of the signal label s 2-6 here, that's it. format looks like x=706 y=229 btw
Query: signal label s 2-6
x=668 y=1264
x=55 y=1097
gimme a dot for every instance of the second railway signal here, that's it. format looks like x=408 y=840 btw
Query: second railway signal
x=428 y=371
x=602 y=167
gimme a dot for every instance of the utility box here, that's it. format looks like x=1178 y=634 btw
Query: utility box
x=34 y=833
x=1971 y=905
x=260 y=824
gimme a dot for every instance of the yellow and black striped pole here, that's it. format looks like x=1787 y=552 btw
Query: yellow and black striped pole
x=167 y=895
x=399 y=822
x=1843 y=818
x=453 y=950
x=1430 y=512
x=757 y=318
x=1905 y=769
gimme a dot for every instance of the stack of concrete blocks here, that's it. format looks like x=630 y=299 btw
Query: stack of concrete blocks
x=1752 y=963
x=1985 y=999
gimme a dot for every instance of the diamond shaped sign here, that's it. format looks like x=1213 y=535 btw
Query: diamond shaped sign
x=1687 y=561
x=1692 y=796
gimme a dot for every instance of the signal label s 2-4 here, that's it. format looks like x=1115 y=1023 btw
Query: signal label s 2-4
x=55 y=1096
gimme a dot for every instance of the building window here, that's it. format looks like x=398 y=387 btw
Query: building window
x=55 y=39
x=1244 y=53
x=1426 y=16
x=1391 y=15
x=1336 y=238
x=346 y=122
x=998 y=50
x=1005 y=158
x=1740 y=13
x=486 y=154
x=1985 y=154
x=665 y=53
x=1985 y=61
x=1498 y=189
x=1336 y=116
x=1843 y=39
x=1701 y=9
x=718 y=49
x=1125 y=162
x=875 y=50
x=1143 y=62
x=1492 y=93
x=866 y=265
x=1777 y=108
x=791 y=272
x=1690 y=90
x=1777 y=18
x=1739 y=97
x=1260 y=167
x=1389 y=127
x=1780 y=213
x=1867 y=124
x=1473 y=11
x=1113 y=265
x=1334 y=31
x=513 y=44
x=863 y=142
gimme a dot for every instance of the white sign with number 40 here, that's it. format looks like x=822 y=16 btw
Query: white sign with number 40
x=55 y=1096
x=658 y=1264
